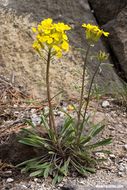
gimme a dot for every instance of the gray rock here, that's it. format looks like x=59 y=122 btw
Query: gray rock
x=106 y=10
x=118 y=38
x=18 y=55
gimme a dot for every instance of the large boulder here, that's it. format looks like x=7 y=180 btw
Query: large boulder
x=17 y=58
x=118 y=38
x=106 y=10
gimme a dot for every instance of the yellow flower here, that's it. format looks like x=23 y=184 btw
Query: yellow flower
x=36 y=46
x=52 y=36
x=61 y=27
x=93 y=33
x=105 y=33
x=65 y=37
x=58 y=51
x=56 y=36
x=70 y=108
x=46 y=24
x=34 y=29
x=65 y=46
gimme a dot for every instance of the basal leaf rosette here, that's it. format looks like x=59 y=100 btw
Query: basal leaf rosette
x=50 y=35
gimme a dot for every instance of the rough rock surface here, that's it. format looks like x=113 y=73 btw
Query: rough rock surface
x=118 y=38
x=18 y=60
x=112 y=15
x=106 y=10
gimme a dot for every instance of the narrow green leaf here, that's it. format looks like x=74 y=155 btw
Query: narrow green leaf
x=44 y=121
x=29 y=143
x=96 y=130
x=91 y=170
x=64 y=168
x=36 y=173
x=46 y=171
x=85 y=140
x=55 y=179
x=100 y=143
x=28 y=161
x=103 y=151
x=66 y=125
x=60 y=178
x=29 y=122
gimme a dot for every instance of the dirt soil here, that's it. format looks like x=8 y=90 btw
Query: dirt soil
x=16 y=106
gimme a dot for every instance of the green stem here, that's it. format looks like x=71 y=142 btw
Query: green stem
x=89 y=91
x=51 y=115
x=88 y=98
x=82 y=89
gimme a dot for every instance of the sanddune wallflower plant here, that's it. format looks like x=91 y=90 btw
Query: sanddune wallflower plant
x=67 y=149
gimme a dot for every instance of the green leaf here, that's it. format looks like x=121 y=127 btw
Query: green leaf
x=80 y=169
x=68 y=122
x=64 y=168
x=44 y=121
x=96 y=130
x=91 y=170
x=85 y=120
x=103 y=151
x=85 y=140
x=60 y=178
x=28 y=161
x=30 y=142
x=28 y=131
x=42 y=166
x=100 y=143
x=55 y=179
x=36 y=173
x=46 y=171
x=29 y=122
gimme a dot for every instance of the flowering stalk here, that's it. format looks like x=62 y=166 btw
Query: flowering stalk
x=93 y=34
x=51 y=41
x=89 y=91
x=51 y=115
x=82 y=89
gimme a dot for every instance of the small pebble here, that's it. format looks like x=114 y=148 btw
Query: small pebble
x=10 y=180
x=120 y=174
x=112 y=156
x=105 y=104
x=8 y=172
x=125 y=146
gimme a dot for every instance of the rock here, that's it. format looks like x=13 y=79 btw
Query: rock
x=17 y=55
x=118 y=39
x=36 y=120
x=18 y=153
x=105 y=104
x=125 y=146
x=102 y=7
x=112 y=156
x=122 y=168
x=120 y=174
x=115 y=22
x=68 y=187
x=9 y=180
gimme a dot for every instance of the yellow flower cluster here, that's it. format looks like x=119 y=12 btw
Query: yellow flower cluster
x=93 y=33
x=51 y=35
